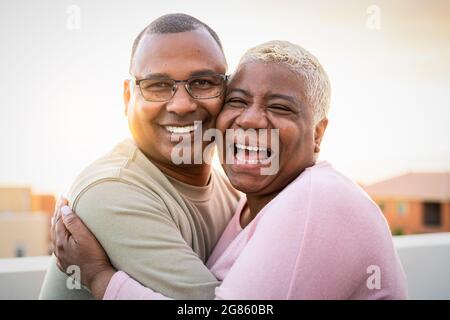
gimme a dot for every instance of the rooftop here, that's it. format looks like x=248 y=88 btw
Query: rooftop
x=417 y=186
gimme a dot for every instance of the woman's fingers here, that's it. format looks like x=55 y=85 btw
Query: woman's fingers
x=62 y=201
x=61 y=236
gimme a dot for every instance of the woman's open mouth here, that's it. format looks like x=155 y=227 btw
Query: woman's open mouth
x=252 y=154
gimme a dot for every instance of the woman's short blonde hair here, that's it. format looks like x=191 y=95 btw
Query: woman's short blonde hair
x=301 y=62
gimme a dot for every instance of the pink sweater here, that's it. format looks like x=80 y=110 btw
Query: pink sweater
x=322 y=237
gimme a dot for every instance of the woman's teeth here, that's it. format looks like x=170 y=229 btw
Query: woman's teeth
x=252 y=154
x=185 y=129
x=250 y=148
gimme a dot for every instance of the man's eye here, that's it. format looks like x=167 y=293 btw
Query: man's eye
x=156 y=86
x=201 y=83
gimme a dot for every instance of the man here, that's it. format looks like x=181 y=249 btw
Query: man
x=156 y=220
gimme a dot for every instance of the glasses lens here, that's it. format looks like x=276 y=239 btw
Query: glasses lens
x=157 y=89
x=204 y=87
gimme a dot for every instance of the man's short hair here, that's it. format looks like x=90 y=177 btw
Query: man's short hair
x=173 y=23
x=301 y=62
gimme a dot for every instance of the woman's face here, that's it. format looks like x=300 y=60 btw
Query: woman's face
x=268 y=96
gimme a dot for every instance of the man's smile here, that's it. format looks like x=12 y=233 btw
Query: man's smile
x=181 y=129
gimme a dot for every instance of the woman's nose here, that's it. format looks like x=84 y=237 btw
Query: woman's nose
x=252 y=117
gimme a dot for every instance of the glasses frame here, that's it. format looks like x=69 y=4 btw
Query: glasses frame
x=224 y=77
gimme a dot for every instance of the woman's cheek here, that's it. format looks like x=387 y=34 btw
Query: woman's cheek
x=224 y=120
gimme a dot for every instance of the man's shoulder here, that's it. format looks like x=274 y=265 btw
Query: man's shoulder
x=107 y=167
x=124 y=166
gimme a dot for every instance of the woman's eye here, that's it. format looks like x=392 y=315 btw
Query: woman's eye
x=279 y=108
x=237 y=103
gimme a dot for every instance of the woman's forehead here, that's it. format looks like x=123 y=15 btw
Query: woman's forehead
x=262 y=78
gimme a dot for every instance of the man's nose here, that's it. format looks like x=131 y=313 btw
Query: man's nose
x=181 y=102
x=252 y=117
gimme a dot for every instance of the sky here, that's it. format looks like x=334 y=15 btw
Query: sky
x=63 y=64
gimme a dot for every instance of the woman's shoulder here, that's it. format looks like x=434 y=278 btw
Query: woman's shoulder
x=323 y=193
x=329 y=185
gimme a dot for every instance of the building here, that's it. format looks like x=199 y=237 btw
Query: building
x=414 y=202
x=24 y=234
x=15 y=199
x=24 y=222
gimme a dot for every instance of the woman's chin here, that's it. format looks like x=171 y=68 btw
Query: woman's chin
x=249 y=181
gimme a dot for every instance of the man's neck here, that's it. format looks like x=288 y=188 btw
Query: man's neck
x=195 y=175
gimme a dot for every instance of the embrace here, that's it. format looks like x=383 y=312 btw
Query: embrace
x=140 y=224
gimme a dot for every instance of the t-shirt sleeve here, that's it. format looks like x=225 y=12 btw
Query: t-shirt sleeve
x=141 y=238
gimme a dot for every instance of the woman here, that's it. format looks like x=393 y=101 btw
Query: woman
x=305 y=232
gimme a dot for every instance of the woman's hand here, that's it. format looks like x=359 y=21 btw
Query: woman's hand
x=73 y=244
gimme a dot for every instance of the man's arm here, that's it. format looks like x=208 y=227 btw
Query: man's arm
x=140 y=237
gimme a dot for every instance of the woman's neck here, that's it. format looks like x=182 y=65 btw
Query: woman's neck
x=254 y=206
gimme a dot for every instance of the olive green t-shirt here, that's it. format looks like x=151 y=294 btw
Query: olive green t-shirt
x=155 y=228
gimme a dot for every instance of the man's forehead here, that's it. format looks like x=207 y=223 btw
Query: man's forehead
x=195 y=49
x=170 y=44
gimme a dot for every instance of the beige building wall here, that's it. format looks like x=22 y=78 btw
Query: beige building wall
x=15 y=199
x=25 y=234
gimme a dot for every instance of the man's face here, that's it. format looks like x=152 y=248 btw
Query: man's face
x=269 y=96
x=177 y=56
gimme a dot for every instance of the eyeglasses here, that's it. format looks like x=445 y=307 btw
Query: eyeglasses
x=198 y=87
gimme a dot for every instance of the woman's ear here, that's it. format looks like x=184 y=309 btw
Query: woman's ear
x=318 y=133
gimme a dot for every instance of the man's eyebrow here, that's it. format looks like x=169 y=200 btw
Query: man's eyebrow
x=156 y=75
x=203 y=72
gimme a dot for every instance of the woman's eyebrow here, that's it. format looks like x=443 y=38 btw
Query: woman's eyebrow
x=291 y=99
x=244 y=92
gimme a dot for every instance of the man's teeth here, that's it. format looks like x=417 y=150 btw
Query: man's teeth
x=250 y=148
x=185 y=129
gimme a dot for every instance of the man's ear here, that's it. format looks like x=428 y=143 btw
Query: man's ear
x=127 y=91
x=318 y=133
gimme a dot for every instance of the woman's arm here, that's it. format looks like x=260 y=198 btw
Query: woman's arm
x=74 y=244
